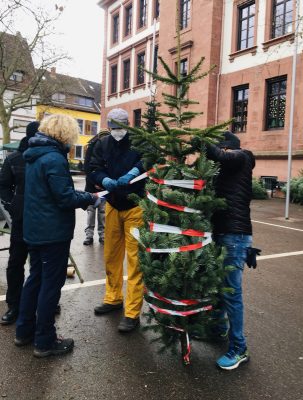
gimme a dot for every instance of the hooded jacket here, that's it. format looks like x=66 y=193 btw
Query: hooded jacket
x=50 y=199
x=234 y=183
x=112 y=159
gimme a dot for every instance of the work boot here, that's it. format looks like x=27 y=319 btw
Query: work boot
x=88 y=241
x=107 y=308
x=60 y=346
x=9 y=317
x=128 y=324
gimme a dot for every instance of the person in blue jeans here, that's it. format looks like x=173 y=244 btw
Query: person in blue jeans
x=233 y=230
x=50 y=201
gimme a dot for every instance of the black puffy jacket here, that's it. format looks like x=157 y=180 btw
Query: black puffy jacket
x=234 y=183
x=112 y=158
x=12 y=187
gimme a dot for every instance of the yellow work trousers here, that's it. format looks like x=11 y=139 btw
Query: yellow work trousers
x=119 y=239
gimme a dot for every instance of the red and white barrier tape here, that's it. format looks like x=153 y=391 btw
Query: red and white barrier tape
x=185 y=303
x=190 y=247
x=197 y=184
x=187 y=355
x=174 y=229
x=179 y=313
x=173 y=206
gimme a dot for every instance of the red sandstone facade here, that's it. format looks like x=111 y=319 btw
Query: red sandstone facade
x=254 y=60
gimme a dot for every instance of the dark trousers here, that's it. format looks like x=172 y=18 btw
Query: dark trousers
x=18 y=252
x=41 y=293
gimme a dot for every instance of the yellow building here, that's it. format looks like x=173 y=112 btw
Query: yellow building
x=78 y=98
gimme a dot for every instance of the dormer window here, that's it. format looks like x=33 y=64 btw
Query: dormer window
x=59 y=97
x=17 y=76
x=84 y=101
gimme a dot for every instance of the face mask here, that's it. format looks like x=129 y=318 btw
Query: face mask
x=118 y=134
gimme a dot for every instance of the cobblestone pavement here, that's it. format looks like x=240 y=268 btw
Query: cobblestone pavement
x=108 y=365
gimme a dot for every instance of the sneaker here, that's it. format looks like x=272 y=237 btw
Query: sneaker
x=59 y=347
x=19 y=342
x=128 y=324
x=88 y=241
x=107 y=308
x=233 y=358
x=9 y=317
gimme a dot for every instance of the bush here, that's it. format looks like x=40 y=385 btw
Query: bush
x=296 y=189
x=258 y=189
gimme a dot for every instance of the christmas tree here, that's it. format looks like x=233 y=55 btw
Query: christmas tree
x=182 y=268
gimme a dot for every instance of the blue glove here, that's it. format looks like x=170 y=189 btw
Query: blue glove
x=109 y=184
x=125 y=179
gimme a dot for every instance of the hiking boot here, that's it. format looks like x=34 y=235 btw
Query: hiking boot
x=107 y=308
x=59 y=347
x=88 y=241
x=19 y=342
x=128 y=324
x=9 y=317
x=233 y=358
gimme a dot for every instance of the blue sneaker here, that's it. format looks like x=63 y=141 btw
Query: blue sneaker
x=233 y=358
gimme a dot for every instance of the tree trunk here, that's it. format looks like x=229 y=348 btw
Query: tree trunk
x=5 y=133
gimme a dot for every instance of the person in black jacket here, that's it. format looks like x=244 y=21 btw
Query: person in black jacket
x=50 y=201
x=233 y=230
x=12 y=197
x=90 y=187
x=114 y=165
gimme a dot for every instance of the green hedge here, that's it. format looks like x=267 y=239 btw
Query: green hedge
x=258 y=189
x=296 y=189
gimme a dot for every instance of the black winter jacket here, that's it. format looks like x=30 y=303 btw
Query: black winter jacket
x=234 y=183
x=12 y=187
x=112 y=158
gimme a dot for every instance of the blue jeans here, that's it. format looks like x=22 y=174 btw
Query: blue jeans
x=232 y=304
x=41 y=293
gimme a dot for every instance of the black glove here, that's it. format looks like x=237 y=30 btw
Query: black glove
x=252 y=254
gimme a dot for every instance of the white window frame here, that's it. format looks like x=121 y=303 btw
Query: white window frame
x=82 y=149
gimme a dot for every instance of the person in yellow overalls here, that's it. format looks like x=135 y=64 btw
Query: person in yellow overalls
x=113 y=165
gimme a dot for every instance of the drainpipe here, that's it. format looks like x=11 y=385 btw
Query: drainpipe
x=292 y=108
x=220 y=65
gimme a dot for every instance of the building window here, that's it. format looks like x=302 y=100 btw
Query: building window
x=183 y=67
x=155 y=66
x=80 y=123
x=17 y=76
x=142 y=13
x=276 y=103
x=246 y=26
x=20 y=125
x=94 y=128
x=114 y=77
x=140 y=68
x=137 y=118
x=59 y=97
x=115 y=37
x=282 y=17
x=157 y=9
x=184 y=13
x=84 y=101
x=240 y=106
x=78 y=152
x=126 y=74
x=128 y=20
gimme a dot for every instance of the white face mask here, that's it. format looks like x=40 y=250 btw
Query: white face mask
x=118 y=134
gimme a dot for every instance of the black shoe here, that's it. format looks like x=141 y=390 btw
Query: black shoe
x=59 y=347
x=19 y=342
x=128 y=324
x=107 y=308
x=58 y=309
x=9 y=317
x=88 y=241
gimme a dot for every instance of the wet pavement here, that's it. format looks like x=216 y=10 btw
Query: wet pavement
x=108 y=365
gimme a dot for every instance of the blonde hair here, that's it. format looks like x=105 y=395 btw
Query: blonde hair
x=63 y=128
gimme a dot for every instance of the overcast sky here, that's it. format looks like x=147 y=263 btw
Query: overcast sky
x=79 y=33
